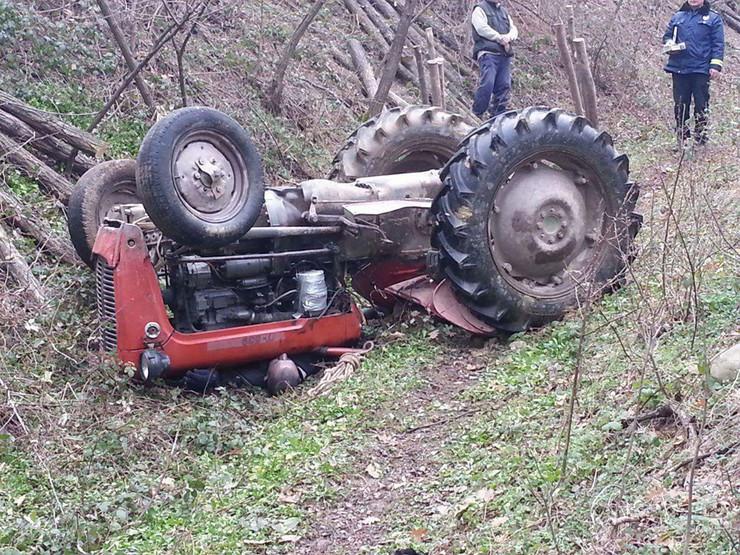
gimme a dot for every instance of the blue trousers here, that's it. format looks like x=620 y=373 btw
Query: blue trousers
x=494 y=89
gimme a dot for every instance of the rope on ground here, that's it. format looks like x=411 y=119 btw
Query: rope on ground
x=347 y=365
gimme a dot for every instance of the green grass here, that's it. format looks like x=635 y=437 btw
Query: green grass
x=159 y=471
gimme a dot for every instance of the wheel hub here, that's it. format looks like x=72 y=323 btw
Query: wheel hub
x=538 y=224
x=204 y=177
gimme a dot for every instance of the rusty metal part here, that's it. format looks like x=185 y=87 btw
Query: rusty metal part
x=330 y=197
x=372 y=279
x=282 y=375
x=210 y=175
x=543 y=227
x=400 y=228
x=291 y=231
x=440 y=300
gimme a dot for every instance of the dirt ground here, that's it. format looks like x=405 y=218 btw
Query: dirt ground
x=404 y=457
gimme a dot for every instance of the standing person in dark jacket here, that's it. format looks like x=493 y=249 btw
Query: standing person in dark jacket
x=493 y=33
x=695 y=43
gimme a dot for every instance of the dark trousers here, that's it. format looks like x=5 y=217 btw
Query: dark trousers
x=685 y=88
x=494 y=89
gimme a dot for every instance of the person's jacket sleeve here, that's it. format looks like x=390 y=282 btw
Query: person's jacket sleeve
x=480 y=23
x=668 y=35
x=718 y=45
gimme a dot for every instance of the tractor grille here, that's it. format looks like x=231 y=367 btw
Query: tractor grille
x=106 y=297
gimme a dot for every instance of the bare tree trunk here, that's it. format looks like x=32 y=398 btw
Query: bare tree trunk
x=130 y=62
x=571 y=34
x=12 y=262
x=45 y=123
x=163 y=39
x=423 y=88
x=24 y=219
x=586 y=82
x=433 y=63
x=567 y=59
x=275 y=92
x=34 y=168
x=393 y=59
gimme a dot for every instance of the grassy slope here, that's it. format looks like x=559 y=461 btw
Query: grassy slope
x=90 y=463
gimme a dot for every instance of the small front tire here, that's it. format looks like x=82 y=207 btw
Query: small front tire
x=200 y=178
x=101 y=188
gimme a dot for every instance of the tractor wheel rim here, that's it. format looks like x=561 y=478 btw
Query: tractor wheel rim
x=545 y=225
x=210 y=176
x=119 y=195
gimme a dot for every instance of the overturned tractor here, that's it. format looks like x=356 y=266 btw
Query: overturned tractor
x=198 y=265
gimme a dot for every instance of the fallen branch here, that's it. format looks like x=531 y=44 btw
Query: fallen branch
x=367 y=75
x=23 y=218
x=362 y=66
x=34 y=168
x=47 y=124
x=383 y=45
x=48 y=145
x=663 y=411
x=732 y=21
x=727 y=449
x=13 y=263
x=377 y=19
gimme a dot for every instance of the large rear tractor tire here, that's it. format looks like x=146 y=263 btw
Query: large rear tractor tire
x=535 y=216
x=412 y=139
x=200 y=178
x=100 y=189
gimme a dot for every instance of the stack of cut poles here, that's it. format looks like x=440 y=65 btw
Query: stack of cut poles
x=574 y=56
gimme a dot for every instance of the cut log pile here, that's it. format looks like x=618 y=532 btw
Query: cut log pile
x=430 y=63
x=51 y=153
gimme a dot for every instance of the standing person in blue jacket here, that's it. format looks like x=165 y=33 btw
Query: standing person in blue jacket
x=493 y=33
x=695 y=43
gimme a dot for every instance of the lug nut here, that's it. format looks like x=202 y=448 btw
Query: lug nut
x=561 y=235
x=539 y=225
x=507 y=267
